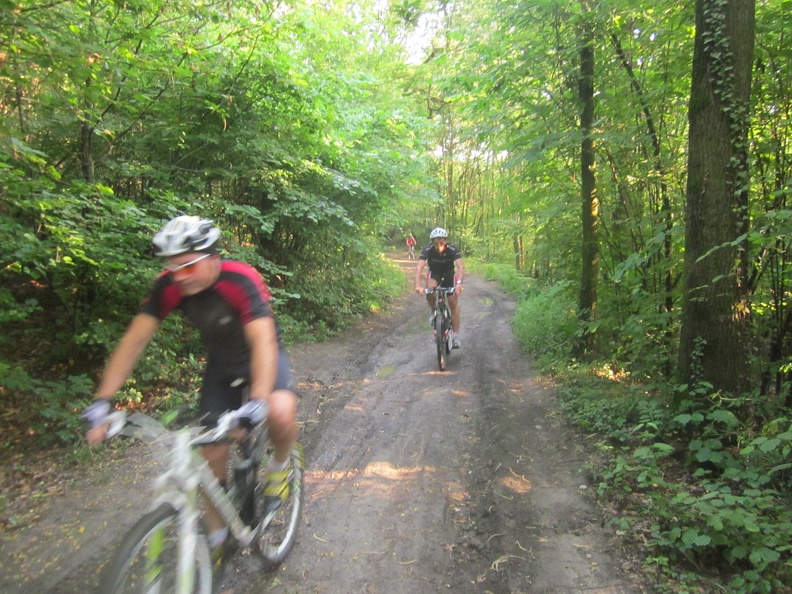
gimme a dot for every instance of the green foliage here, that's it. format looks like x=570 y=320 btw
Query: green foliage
x=698 y=496
x=362 y=285
x=615 y=408
x=508 y=278
x=281 y=132
x=53 y=407
x=546 y=326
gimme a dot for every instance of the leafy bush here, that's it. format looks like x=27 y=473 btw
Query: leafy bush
x=508 y=278
x=332 y=297
x=622 y=411
x=546 y=326
x=698 y=496
x=51 y=409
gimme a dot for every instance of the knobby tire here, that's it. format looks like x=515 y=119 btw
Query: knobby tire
x=146 y=560
x=440 y=339
x=280 y=534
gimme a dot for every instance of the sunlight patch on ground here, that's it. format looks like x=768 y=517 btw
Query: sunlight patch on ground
x=444 y=373
x=456 y=492
x=516 y=483
x=325 y=482
x=379 y=477
x=388 y=470
x=355 y=407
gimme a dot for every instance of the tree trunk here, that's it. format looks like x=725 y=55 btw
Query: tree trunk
x=715 y=339
x=519 y=252
x=589 y=201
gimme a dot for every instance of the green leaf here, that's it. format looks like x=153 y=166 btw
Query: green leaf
x=770 y=444
x=704 y=454
x=723 y=416
x=690 y=536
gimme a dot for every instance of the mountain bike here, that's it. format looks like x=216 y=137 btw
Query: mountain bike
x=167 y=551
x=441 y=318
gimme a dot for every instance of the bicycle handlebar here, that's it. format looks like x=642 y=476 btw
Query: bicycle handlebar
x=446 y=290
x=219 y=433
x=227 y=421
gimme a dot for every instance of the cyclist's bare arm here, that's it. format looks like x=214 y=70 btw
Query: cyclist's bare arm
x=262 y=338
x=418 y=270
x=282 y=404
x=137 y=336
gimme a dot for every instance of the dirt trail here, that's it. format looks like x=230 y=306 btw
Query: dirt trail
x=418 y=481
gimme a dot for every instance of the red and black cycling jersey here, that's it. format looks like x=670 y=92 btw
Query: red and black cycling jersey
x=441 y=264
x=237 y=297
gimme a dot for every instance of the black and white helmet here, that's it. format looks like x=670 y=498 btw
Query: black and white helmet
x=438 y=232
x=185 y=234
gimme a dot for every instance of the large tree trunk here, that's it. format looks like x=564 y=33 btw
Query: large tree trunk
x=715 y=339
x=590 y=203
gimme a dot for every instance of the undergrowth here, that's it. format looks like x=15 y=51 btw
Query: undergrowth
x=701 y=482
x=708 y=496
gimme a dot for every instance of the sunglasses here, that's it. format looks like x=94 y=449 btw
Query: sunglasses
x=188 y=267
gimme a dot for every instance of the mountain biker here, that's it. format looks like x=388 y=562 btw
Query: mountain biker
x=443 y=260
x=411 y=241
x=228 y=302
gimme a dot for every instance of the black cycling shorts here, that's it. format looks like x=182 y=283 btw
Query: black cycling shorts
x=446 y=280
x=223 y=389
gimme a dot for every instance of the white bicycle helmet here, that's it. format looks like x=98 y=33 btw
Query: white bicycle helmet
x=185 y=234
x=438 y=232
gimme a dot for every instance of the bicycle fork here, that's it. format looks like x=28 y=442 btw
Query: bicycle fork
x=183 y=497
x=188 y=546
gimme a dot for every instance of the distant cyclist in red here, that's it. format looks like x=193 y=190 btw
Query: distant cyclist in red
x=229 y=303
x=446 y=270
x=411 y=241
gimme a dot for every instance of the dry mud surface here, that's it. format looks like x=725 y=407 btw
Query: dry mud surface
x=418 y=481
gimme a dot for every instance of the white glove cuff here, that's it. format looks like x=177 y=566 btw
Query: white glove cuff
x=96 y=412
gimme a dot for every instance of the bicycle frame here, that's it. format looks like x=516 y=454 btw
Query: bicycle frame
x=442 y=321
x=167 y=550
x=189 y=475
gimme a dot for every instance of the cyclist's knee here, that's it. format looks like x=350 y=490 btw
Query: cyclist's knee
x=282 y=407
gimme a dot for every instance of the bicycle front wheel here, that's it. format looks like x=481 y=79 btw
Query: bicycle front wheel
x=440 y=339
x=280 y=527
x=147 y=560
